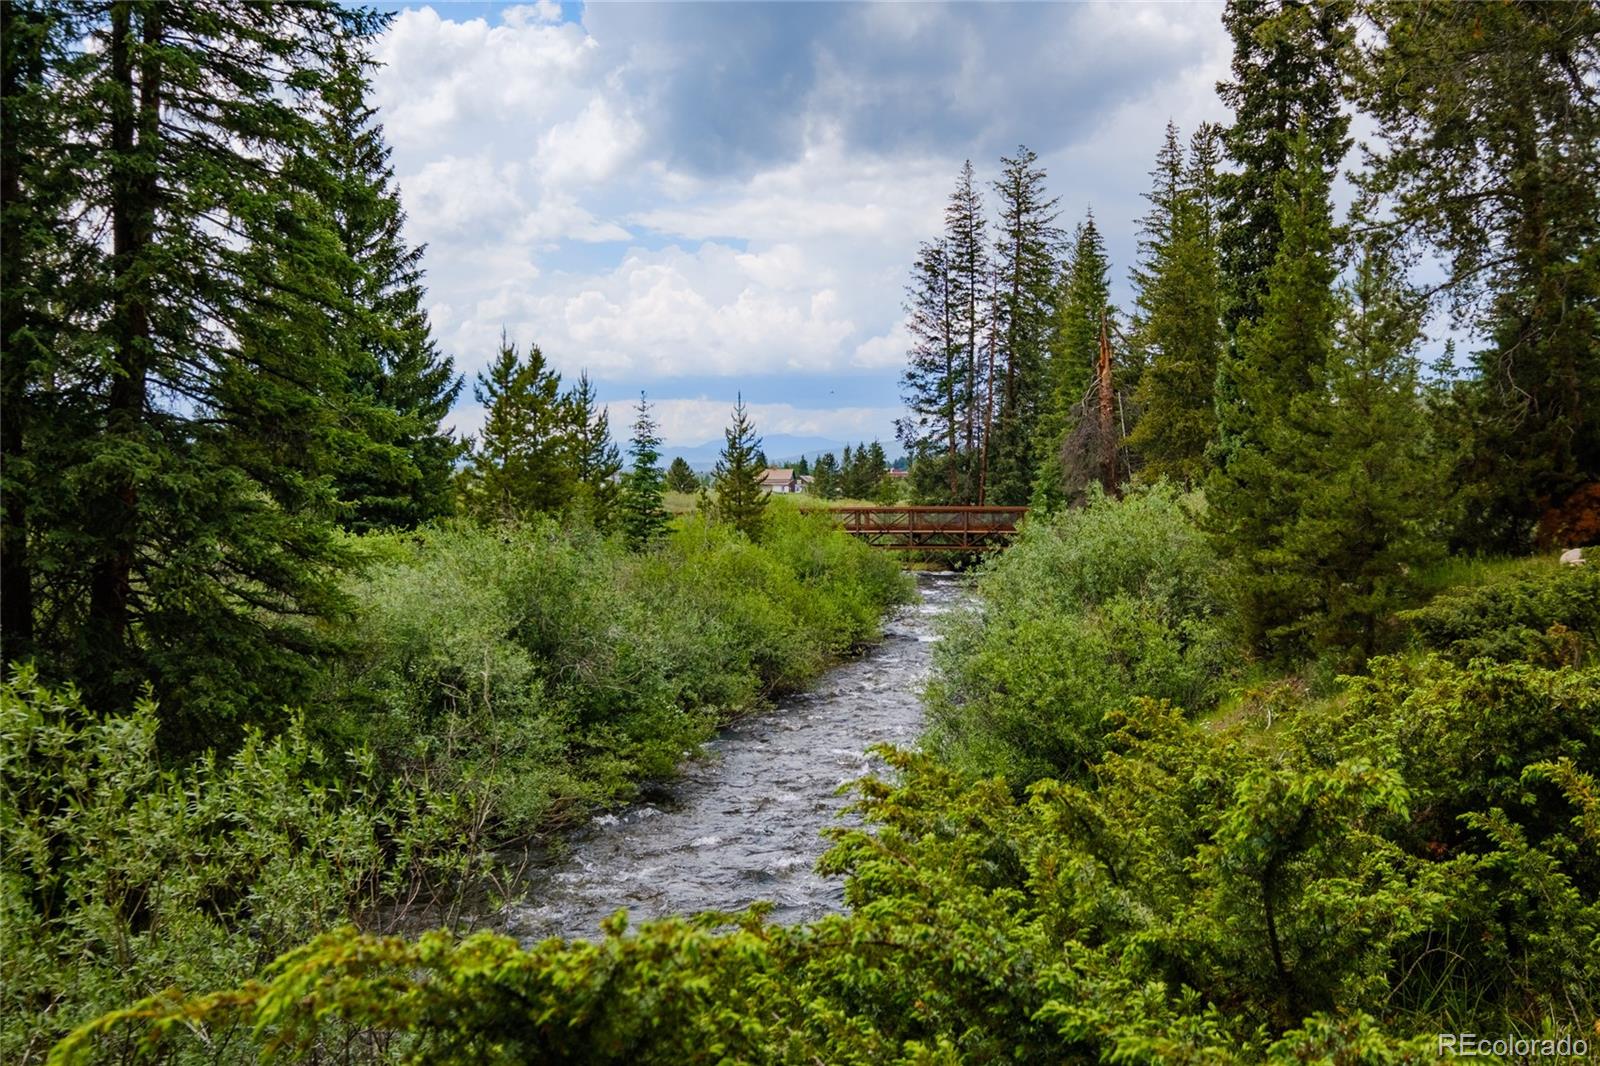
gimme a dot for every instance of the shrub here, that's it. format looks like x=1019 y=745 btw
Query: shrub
x=1089 y=608
x=1549 y=615
x=121 y=879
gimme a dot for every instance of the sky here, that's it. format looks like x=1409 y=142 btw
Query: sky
x=706 y=200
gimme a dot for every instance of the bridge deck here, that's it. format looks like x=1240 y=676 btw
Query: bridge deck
x=932 y=528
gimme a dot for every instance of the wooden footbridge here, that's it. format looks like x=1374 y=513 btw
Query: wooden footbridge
x=951 y=529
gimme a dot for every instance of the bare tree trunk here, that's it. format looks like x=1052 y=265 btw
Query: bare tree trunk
x=1108 y=430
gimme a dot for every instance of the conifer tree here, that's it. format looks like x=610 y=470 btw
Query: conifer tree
x=1252 y=496
x=1074 y=350
x=825 y=476
x=1024 y=297
x=1180 y=326
x=401 y=473
x=934 y=385
x=681 y=476
x=741 y=502
x=186 y=177
x=1490 y=129
x=643 y=516
x=1288 y=57
x=523 y=463
x=597 y=461
x=1364 y=494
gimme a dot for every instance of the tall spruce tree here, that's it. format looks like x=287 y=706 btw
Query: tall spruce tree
x=642 y=514
x=741 y=501
x=1180 y=324
x=400 y=473
x=597 y=462
x=1252 y=497
x=523 y=462
x=1082 y=303
x=192 y=181
x=1490 y=127
x=1364 y=493
x=1288 y=59
x=681 y=476
x=1024 y=297
x=934 y=383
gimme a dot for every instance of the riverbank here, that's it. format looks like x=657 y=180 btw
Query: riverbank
x=745 y=820
x=489 y=684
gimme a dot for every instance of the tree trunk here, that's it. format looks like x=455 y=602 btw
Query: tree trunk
x=1107 y=424
x=135 y=132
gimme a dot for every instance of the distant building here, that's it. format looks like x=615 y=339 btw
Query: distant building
x=783 y=480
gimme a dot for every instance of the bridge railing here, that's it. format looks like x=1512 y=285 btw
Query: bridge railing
x=932 y=527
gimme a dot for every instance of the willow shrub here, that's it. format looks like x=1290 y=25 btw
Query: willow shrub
x=122 y=878
x=541 y=671
x=1091 y=607
x=1338 y=897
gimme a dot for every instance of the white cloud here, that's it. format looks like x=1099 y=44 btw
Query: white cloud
x=563 y=197
x=688 y=422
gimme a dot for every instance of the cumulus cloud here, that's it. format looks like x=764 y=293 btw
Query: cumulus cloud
x=665 y=192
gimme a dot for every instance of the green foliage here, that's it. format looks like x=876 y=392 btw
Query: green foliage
x=1180 y=326
x=643 y=516
x=523 y=462
x=543 y=673
x=1550 y=616
x=1080 y=307
x=1190 y=898
x=1087 y=609
x=741 y=501
x=681 y=476
x=122 y=879
x=598 y=463
x=1490 y=141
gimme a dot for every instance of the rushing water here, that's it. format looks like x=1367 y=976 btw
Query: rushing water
x=744 y=823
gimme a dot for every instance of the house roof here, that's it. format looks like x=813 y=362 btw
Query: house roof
x=777 y=473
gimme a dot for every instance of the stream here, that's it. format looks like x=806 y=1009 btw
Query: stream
x=744 y=822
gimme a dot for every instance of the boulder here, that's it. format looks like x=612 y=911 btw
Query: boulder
x=1572 y=557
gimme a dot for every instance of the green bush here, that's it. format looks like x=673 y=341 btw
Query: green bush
x=541 y=672
x=1550 y=614
x=1190 y=899
x=121 y=878
x=1089 y=608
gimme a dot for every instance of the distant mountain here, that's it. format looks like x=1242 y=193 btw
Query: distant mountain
x=781 y=448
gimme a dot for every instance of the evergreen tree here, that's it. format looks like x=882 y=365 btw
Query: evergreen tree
x=1180 y=326
x=1252 y=497
x=1287 y=72
x=1364 y=492
x=597 y=461
x=187 y=176
x=524 y=461
x=934 y=383
x=1025 y=270
x=802 y=467
x=401 y=471
x=825 y=479
x=643 y=516
x=741 y=502
x=1491 y=142
x=681 y=476
x=1075 y=346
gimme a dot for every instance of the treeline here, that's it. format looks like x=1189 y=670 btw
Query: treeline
x=862 y=474
x=1271 y=353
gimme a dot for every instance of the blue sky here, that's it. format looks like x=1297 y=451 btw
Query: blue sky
x=699 y=200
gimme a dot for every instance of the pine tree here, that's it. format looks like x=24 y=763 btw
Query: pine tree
x=401 y=474
x=643 y=516
x=802 y=467
x=825 y=479
x=681 y=476
x=1180 y=327
x=1081 y=305
x=1287 y=74
x=1025 y=274
x=1364 y=494
x=597 y=461
x=187 y=178
x=523 y=463
x=1490 y=131
x=741 y=502
x=1252 y=497
x=934 y=383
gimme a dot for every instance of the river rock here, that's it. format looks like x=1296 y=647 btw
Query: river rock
x=1572 y=557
